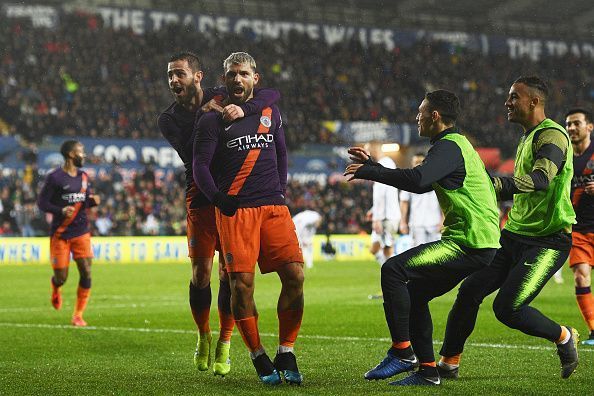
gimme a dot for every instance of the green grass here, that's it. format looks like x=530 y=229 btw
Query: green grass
x=141 y=338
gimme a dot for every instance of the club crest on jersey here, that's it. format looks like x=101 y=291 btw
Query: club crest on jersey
x=266 y=121
x=590 y=164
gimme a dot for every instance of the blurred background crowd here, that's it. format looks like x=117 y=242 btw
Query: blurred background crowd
x=82 y=79
x=147 y=205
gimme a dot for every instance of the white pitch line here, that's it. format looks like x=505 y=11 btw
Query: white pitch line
x=306 y=336
x=98 y=306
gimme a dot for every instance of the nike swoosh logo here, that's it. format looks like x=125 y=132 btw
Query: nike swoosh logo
x=227 y=128
x=527 y=264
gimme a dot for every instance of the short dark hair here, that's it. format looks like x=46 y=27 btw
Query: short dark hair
x=446 y=103
x=67 y=147
x=189 y=57
x=534 y=82
x=577 y=110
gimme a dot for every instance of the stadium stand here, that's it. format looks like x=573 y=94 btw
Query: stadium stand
x=84 y=79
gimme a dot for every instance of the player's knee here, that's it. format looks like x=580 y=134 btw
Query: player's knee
x=201 y=271
x=241 y=290
x=393 y=269
x=504 y=312
x=295 y=279
x=60 y=279
x=470 y=293
x=200 y=280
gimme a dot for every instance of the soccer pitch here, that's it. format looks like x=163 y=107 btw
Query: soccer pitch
x=141 y=338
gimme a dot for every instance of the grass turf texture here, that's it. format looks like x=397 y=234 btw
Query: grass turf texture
x=142 y=339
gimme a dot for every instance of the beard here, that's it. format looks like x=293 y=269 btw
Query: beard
x=191 y=92
x=78 y=162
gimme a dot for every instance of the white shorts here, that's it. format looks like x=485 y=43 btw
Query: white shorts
x=422 y=235
x=386 y=238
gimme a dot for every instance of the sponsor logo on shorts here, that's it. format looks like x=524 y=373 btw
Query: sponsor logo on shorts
x=229 y=258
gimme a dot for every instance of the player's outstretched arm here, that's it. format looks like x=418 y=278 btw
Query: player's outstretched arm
x=442 y=160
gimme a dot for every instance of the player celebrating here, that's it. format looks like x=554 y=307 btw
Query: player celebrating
x=581 y=257
x=253 y=221
x=306 y=224
x=177 y=126
x=66 y=194
x=536 y=239
x=411 y=279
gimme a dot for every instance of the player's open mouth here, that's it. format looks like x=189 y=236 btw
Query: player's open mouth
x=177 y=90
x=238 y=91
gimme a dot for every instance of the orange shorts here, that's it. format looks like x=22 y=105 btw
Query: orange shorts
x=202 y=232
x=265 y=234
x=582 y=249
x=60 y=250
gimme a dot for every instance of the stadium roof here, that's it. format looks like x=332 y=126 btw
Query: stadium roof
x=529 y=18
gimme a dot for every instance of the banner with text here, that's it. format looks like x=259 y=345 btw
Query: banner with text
x=141 y=21
x=151 y=250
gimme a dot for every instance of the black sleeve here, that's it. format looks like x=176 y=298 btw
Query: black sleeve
x=171 y=132
x=442 y=160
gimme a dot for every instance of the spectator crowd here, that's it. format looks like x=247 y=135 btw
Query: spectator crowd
x=143 y=203
x=81 y=79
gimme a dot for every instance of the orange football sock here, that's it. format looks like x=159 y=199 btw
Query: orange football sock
x=401 y=344
x=227 y=323
x=586 y=303
x=201 y=318
x=82 y=298
x=429 y=364
x=248 y=328
x=451 y=360
x=289 y=323
x=563 y=336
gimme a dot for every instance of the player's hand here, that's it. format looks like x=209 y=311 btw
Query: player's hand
x=68 y=211
x=212 y=105
x=358 y=155
x=232 y=112
x=96 y=199
x=227 y=204
x=589 y=188
x=351 y=170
